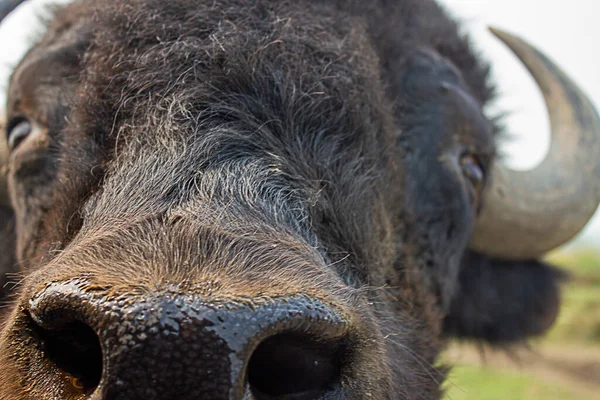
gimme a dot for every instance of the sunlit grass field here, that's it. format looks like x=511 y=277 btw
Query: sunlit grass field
x=564 y=365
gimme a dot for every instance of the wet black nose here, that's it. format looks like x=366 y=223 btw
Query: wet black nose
x=179 y=346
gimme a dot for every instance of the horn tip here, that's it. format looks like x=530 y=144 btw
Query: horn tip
x=494 y=29
x=501 y=33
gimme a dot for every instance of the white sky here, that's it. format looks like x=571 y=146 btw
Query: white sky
x=567 y=31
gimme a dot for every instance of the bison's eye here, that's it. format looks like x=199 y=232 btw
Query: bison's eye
x=472 y=170
x=18 y=129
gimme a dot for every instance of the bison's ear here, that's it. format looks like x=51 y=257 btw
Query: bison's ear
x=500 y=302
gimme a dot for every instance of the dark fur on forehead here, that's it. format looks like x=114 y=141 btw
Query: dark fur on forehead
x=252 y=62
x=253 y=82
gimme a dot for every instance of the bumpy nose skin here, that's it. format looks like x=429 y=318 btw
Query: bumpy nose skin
x=171 y=345
x=166 y=347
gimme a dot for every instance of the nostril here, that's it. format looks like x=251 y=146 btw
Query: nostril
x=293 y=367
x=74 y=348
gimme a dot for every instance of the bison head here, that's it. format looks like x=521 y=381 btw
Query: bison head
x=271 y=200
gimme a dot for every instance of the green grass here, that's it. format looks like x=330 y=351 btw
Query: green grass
x=583 y=264
x=579 y=319
x=475 y=383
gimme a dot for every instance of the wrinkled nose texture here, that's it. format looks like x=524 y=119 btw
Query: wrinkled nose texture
x=172 y=345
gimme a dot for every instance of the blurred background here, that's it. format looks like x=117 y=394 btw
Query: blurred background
x=565 y=364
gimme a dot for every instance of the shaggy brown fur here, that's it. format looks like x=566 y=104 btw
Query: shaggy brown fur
x=257 y=150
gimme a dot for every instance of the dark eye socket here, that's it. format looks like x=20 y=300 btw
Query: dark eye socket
x=473 y=170
x=17 y=130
